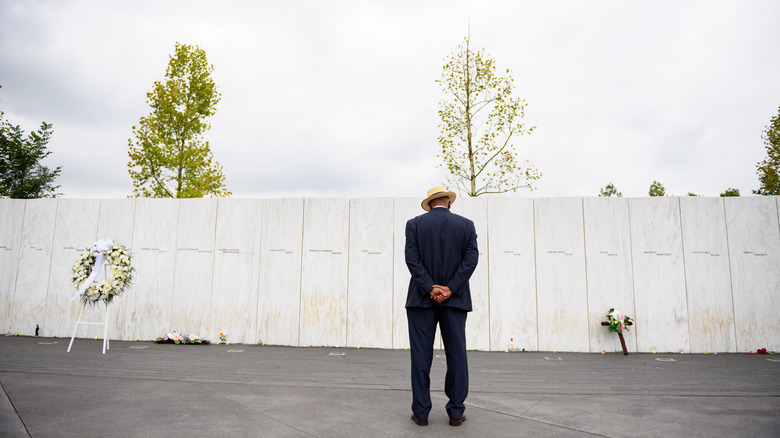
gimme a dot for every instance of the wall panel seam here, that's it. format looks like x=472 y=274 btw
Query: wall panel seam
x=685 y=276
x=51 y=255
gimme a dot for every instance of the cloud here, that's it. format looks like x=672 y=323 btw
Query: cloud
x=339 y=99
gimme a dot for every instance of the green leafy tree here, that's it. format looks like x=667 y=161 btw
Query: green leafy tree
x=657 y=189
x=479 y=121
x=768 y=170
x=22 y=176
x=169 y=158
x=730 y=192
x=692 y=194
x=609 y=190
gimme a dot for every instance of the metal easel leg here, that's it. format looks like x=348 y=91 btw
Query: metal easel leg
x=105 y=331
x=76 y=328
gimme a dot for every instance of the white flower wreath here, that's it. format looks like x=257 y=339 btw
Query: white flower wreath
x=119 y=272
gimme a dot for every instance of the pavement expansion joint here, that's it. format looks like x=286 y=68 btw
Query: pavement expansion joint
x=522 y=416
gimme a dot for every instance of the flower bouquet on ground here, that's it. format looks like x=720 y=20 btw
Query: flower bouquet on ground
x=618 y=321
x=178 y=338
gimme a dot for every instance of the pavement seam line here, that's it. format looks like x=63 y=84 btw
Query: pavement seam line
x=384 y=387
x=15 y=411
x=198 y=384
x=522 y=417
x=546 y=396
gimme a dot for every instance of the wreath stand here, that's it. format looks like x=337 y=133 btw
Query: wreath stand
x=104 y=323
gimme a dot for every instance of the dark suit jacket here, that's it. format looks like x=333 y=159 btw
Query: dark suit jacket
x=441 y=248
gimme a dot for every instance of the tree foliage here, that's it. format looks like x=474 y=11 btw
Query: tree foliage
x=609 y=190
x=657 y=189
x=169 y=158
x=479 y=121
x=768 y=170
x=22 y=175
x=730 y=192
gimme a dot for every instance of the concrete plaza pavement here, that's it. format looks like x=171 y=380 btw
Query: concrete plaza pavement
x=142 y=389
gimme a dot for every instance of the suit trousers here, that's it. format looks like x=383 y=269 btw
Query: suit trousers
x=422 y=332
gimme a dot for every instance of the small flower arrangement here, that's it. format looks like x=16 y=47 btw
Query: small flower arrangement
x=222 y=338
x=178 y=338
x=618 y=321
x=119 y=273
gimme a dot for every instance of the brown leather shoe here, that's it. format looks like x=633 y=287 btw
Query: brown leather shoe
x=419 y=422
x=457 y=421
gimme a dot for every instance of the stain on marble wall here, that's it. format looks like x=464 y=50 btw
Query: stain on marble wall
x=32 y=274
x=11 y=220
x=324 y=276
x=561 y=294
x=754 y=254
x=707 y=278
x=234 y=285
x=610 y=279
x=659 y=276
x=403 y=210
x=115 y=223
x=279 y=294
x=370 y=287
x=478 y=321
x=76 y=222
x=509 y=247
x=150 y=300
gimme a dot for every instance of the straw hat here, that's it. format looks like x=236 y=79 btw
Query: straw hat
x=435 y=193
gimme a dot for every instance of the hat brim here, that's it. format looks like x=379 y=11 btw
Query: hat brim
x=437 y=195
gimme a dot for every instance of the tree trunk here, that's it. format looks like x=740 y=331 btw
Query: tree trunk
x=472 y=171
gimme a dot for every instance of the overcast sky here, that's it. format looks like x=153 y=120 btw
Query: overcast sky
x=338 y=98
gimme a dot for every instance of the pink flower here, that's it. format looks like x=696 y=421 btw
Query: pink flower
x=622 y=326
x=192 y=337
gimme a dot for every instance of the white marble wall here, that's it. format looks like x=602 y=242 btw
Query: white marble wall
x=659 y=277
x=512 y=279
x=562 y=302
x=279 y=295
x=370 y=288
x=754 y=253
x=478 y=321
x=610 y=278
x=150 y=301
x=11 y=220
x=116 y=223
x=707 y=277
x=324 y=279
x=403 y=210
x=697 y=274
x=194 y=267
x=76 y=223
x=32 y=278
x=234 y=286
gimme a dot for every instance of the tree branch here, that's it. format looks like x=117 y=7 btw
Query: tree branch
x=496 y=154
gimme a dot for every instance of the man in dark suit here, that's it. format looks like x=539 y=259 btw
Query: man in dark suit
x=441 y=253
